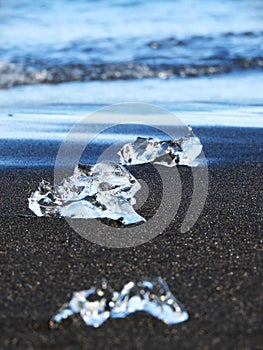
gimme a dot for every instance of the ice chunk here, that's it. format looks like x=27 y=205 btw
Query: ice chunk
x=168 y=152
x=105 y=190
x=96 y=305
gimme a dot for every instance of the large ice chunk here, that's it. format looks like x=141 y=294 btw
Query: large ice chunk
x=105 y=190
x=97 y=304
x=167 y=152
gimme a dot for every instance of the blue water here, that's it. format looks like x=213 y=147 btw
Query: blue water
x=61 y=40
x=202 y=59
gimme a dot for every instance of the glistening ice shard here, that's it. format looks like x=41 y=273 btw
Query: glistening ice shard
x=168 y=152
x=105 y=190
x=97 y=304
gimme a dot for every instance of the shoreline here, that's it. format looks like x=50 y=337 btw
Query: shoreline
x=226 y=90
x=221 y=145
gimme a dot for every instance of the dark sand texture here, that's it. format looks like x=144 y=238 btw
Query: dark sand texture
x=215 y=269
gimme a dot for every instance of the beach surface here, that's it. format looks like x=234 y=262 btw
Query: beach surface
x=214 y=269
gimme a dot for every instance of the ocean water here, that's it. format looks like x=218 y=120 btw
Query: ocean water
x=61 y=59
x=61 y=40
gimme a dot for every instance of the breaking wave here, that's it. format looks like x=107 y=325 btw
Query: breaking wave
x=196 y=56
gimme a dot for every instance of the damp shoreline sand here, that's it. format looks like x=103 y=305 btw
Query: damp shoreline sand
x=214 y=269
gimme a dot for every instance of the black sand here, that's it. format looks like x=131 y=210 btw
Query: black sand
x=215 y=269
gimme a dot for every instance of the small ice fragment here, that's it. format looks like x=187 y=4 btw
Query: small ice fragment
x=167 y=152
x=97 y=304
x=105 y=190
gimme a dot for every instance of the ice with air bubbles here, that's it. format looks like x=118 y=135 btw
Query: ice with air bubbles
x=165 y=152
x=105 y=190
x=100 y=303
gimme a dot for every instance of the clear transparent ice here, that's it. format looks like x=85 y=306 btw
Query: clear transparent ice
x=105 y=190
x=165 y=152
x=97 y=304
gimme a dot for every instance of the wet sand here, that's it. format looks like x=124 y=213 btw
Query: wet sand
x=215 y=269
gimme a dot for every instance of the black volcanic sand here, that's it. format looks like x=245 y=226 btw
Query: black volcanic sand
x=214 y=269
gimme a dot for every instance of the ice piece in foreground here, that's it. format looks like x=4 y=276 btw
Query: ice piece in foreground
x=97 y=304
x=105 y=190
x=168 y=152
